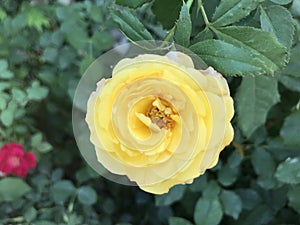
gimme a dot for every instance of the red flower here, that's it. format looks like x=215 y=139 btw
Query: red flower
x=13 y=160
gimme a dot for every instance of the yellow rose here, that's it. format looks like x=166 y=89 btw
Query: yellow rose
x=159 y=121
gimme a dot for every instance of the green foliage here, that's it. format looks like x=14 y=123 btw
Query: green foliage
x=254 y=98
x=232 y=11
x=12 y=189
x=45 y=47
x=183 y=27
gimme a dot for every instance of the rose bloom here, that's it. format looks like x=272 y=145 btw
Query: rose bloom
x=13 y=160
x=159 y=121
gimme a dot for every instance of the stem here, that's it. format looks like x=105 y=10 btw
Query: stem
x=200 y=5
x=189 y=3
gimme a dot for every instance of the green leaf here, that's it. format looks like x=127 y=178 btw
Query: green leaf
x=208 y=212
x=132 y=3
x=174 y=195
x=183 y=27
x=167 y=11
x=291 y=129
x=292 y=69
x=62 y=190
x=50 y=54
x=278 y=20
x=231 y=11
x=254 y=98
x=292 y=83
x=4 y=73
x=179 y=221
x=19 y=95
x=36 y=91
x=30 y=214
x=264 y=166
x=212 y=190
x=7 y=117
x=289 y=171
x=78 y=37
x=227 y=175
x=250 y=198
x=227 y=58
x=36 y=19
x=12 y=188
x=102 y=40
x=267 y=53
x=293 y=196
x=87 y=195
x=130 y=25
x=258 y=216
x=282 y=2
x=232 y=203
x=3 y=14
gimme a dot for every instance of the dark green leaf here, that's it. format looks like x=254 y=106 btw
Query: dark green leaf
x=30 y=214
x=264 y=166
x=12 y=188
x=227 y=58
x=231 y=11
x=87 y=195
x=179 y=221
x=292 y=83
x=254 y=98
x=102 y=40
x=293 y=196
x=232 y=203
x=267 y=53
x=212 y=190
x=208 y=212
x=130 y=25
x=183 y=27
x=7 y=117
x=167 y=11
x=249 y=197
x=291 y=129
x=132 y=3
x=259 y=216
x=289 y=171
x=174 y=195
x=292 y=69
x=227 y=175
x=278 y=20
x=282 y=2
x=62 y=190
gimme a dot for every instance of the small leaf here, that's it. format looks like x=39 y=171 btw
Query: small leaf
x=231 y=11
x=263 y=47
x=250 y=198
x=174 y=195
x=289 y=171
x=232 y=203
x=227 y=175
x=19 y=95
x=254 y=98
x=36 y=92
x=62 y=190
x=12 y=188
x=87 y=195
x=30 y=214
x=264 y=166
x=212 y=190
x=130 y=25
x=7 y=117
x=291 y=129
x=278 y=20
x=183 y=27
x=179 y=221
x=208 y=212
x=167 y=11
x=36 y=19
x=293 y=196
x=132 y=3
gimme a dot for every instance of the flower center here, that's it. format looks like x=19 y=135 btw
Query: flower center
x=160 y=113
x=15 y=161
